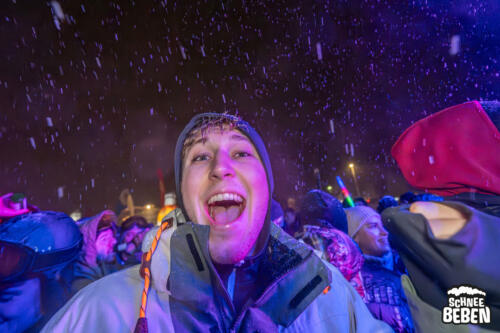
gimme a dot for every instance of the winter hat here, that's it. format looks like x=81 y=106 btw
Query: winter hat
x=453 y=151
x=386 y=202
x=52 y=236
x=357 y=217
x=322 y=209
x=407 y=198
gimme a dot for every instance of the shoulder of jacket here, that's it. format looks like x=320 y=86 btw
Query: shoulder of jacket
x=169 y=223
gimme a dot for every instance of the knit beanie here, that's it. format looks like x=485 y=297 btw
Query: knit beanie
x=322 y=209
x=357 y=217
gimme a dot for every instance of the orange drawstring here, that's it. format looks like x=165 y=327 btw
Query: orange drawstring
x=146 y=266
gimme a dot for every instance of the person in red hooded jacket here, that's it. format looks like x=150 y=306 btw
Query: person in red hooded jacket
x=454 y=153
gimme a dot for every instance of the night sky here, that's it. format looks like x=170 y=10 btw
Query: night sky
x=95 y=93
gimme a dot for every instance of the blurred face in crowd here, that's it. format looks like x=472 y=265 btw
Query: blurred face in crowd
x=373 y=238
x=20 y=305
x=289 y=217
x=105 y=244
x=130 y=234
x=224 y=185
x=133 y=238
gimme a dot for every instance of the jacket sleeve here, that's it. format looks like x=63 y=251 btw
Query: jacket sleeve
x=110 y=304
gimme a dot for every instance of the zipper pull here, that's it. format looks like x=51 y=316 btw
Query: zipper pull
x=230 y=284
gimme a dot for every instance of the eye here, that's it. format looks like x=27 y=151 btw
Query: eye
x=200 y=157
x=242 y=154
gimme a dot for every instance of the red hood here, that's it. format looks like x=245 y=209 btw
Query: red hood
x=452 y=151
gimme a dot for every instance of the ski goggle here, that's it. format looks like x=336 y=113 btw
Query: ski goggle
x=17 y=260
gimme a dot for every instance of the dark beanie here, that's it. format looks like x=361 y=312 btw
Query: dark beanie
x=322 y=209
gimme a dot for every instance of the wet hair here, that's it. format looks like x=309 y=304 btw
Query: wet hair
x=221 y=123
x=136 y=220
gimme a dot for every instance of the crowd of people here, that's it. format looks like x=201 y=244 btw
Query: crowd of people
x=231 y=259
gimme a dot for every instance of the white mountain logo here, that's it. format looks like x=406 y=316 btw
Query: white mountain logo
x=466 y=290
x=466 y=305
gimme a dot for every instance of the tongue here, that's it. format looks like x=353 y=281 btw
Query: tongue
x=223 y=215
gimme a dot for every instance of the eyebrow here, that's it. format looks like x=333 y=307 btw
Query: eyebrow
x=236 y=137
x=200 y=140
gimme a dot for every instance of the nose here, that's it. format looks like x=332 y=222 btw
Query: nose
x=383 y=231
x=221 y=166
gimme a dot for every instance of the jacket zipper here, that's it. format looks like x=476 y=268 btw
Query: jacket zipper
x=231 y=281
x=225 y=294
x=238 y=320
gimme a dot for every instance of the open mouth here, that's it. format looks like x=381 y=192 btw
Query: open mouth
x=225 y=208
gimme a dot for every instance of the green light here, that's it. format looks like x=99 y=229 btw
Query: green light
x=329 y=188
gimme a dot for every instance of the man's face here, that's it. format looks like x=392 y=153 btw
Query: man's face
x=131 y=233
x=224 y=185
x=20 y=305
x=104 y=244
x=133 y=238
x=373 y=238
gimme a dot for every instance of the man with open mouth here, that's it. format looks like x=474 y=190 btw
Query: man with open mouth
x=217 y=263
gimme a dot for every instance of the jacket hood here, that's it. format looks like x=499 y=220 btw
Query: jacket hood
x=452 y=151
x=256 y=140
x=88 y=228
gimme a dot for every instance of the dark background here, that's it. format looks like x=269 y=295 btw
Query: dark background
x=92 y=102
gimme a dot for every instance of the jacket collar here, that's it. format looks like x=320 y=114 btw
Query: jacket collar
x=183 y=267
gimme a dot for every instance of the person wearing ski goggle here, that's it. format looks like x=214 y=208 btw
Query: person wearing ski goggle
x=36 y=255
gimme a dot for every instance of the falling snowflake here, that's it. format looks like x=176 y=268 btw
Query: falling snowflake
x=60 y=192
x=319 y=52
x=455 y=45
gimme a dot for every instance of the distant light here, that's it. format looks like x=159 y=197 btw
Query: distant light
x=351 y=165
x=148 y=206
x=329 y=188
x=76 y=215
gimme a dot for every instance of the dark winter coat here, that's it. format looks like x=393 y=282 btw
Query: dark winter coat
x=470 y=257
x=384 y=293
